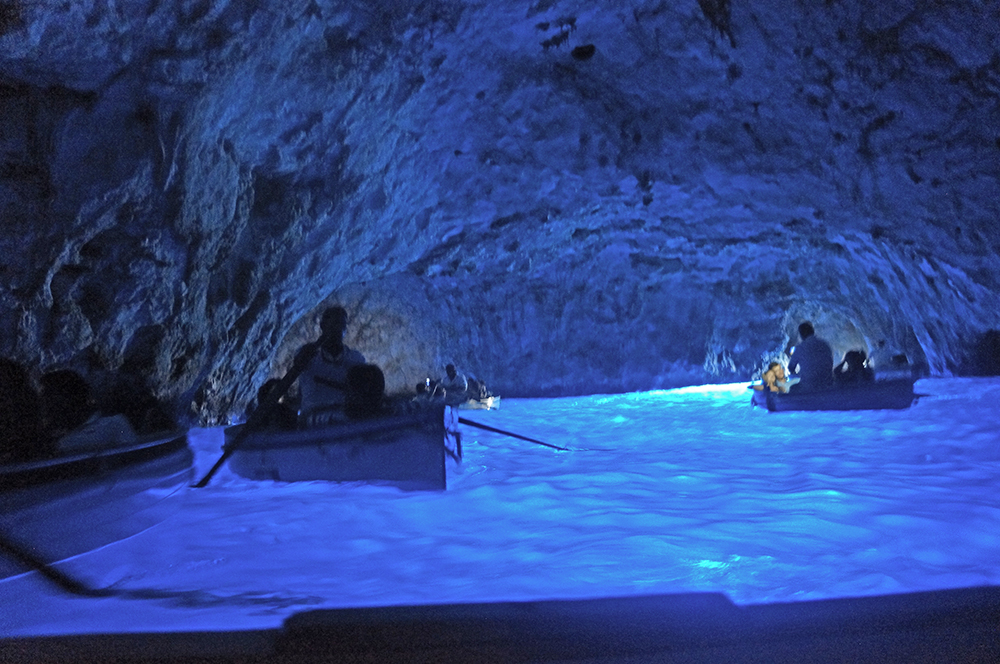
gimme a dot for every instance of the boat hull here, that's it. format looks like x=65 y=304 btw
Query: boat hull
x=59 y=508
x=407 y=451
x=894 y=394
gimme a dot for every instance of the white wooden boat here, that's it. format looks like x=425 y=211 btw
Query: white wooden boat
x=406 y=450
x=62 y=507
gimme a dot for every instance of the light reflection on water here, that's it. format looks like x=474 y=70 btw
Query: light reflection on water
x=662 y=492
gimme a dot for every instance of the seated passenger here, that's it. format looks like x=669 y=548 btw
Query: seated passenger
x=129 y=395
x=773 y=379
x=477 y=389
x=898 y=367
x=22 y=434
x=72 y=418
x=323 y=382
x=456 y=385
x=854 y=369
x=365 y=391
x=429 y=392
x=282 y=415
x=66 y=401
x=811 y=362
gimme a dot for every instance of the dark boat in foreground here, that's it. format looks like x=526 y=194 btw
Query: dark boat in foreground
x=405 y=450
x=894 y=394
x=58 y=508
x=932 y=626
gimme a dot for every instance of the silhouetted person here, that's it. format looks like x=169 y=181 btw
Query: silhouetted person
x=66 y=402
x=72 y=418
x=477 y=389
x=811 y=362
x=22 y=434
x=281 y=415
x=323 y=382
x=129 y=395
x=854 y=369
x=455 y=384
x=365 y=391
x=429 y=391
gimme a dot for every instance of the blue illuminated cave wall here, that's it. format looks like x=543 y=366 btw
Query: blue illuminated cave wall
x=561 y=197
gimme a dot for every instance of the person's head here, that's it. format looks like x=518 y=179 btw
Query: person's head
x=450 y=370
x=65 y=399
x=264 y=390
x=855 y=359
x=806 y=330
x=777 y=370
x=333 y=322
x=332 y=326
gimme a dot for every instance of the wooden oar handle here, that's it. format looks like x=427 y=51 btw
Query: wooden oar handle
x=462 y=420
x=264 y=408
x=32 y=561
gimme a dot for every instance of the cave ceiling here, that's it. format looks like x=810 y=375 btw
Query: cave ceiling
x=560 y=197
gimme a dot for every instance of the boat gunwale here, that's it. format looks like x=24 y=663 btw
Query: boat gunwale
x=24 y=474
x=338 y=433
x=806 y=401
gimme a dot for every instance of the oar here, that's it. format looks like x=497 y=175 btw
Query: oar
x=61 y=579
x=263 y=409
x=78 y=587
x=462 y=420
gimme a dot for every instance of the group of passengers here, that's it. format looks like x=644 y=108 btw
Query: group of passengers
x=811 y=367
x=452 y=389
x=335 y=383
x=59 y=414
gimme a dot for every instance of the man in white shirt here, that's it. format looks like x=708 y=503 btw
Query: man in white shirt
x=455 y=384
x=323 y=383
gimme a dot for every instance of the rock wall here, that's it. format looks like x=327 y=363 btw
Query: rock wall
x=561 y=197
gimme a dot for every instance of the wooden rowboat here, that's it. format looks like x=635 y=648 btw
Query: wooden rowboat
x=407 y=450
x=62 y=507
x=892 y=394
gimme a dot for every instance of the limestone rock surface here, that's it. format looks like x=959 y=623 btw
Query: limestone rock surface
x=558 y=196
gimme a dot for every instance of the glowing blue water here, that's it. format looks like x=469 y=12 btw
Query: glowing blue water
x=684 y=490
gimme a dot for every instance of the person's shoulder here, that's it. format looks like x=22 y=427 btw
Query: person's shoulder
x=352 y=356
x=815 y=342
x=306 y=352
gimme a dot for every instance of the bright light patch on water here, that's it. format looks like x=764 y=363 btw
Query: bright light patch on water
x=662 y=492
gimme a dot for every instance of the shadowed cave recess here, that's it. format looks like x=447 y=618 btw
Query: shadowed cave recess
x=559 y=197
